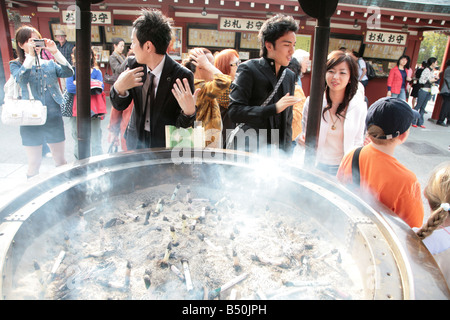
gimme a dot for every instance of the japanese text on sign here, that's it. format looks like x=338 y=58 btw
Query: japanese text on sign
x=97 y=17
x=241 y=24
x=381 y=37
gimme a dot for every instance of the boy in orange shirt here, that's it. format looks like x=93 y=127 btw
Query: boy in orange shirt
x=381 y=175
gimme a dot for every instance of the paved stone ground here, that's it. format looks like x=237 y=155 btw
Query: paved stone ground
x=424 y=149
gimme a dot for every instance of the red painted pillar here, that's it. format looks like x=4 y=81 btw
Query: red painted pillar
x=5 y=39
x=438 y=102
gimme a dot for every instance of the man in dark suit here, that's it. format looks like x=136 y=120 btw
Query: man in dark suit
x=256 y=79
x=160 y=88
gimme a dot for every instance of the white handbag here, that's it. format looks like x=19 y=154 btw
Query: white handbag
x=434 y=90
x=20 y=112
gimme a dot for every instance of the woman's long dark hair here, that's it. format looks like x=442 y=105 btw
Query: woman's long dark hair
x=408 y=61
x=335 y=58
x=430 y=61
x=22 y=35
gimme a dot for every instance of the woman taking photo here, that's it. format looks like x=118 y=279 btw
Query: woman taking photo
x=427 y=79
x=42 y=78
x=343 y=113
x=398 y=79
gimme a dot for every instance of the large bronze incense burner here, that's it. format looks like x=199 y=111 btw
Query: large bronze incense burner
x=223 y=225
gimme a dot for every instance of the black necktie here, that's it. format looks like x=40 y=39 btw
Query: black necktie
x=149 y=98
x=150 y=93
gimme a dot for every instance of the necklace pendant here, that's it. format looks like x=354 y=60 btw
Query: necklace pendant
x=333 y=127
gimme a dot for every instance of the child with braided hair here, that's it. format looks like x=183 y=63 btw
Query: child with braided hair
x=435 y=233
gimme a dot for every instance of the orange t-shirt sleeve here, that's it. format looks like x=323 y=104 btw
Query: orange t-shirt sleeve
x=410 y=206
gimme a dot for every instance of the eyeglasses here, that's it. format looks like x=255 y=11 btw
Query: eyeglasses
x=235 y=64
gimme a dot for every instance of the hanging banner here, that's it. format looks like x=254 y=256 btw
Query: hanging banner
x=385 y=37
x=240 y=24
x=97 y=17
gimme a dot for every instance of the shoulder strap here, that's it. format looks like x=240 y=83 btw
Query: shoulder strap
x=355 y=167
x=275 y=89
x=230 y=138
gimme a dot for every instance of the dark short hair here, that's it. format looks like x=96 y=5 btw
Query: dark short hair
x=153 y=26
x=117 y=40
x=430 y=61
x=273 y=29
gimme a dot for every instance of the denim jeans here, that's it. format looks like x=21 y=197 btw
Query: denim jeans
x=422 y=100
x=401 y=95
x=328 y=168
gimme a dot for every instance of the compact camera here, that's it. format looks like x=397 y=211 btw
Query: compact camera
x=40 y=43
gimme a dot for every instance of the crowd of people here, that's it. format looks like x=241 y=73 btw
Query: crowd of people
x=262 y=96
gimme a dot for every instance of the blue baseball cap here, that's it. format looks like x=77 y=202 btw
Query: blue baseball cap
x=393 y=115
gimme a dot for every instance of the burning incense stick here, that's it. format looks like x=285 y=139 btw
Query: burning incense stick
x=187 y=275
x=174 y=236
x=167 y=253
x=66 y=241
x=159 y=206
x=147 y=281
x=215 y=293
x=177 y=272
x=236 y=263
x=57 y=263
x=184 y=222
x=147 y=216
x=142 y=205
x=163 y=263
x=188 y=195
x=128 y=274
x=174 y=194
x=38 y=270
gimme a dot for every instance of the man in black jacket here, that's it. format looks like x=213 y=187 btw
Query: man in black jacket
x=160 y=88
x=256 y=79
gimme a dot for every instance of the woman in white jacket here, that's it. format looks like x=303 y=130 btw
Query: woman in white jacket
x=344 y=112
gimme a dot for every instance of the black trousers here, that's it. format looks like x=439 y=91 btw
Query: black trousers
x=145 y=142
x=445 y=110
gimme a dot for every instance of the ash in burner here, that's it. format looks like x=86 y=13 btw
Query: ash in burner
x=171 y=242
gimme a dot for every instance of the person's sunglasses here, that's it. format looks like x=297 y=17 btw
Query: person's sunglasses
x=235 y=64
